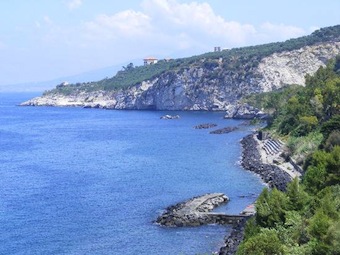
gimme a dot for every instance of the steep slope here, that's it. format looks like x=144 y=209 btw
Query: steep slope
x=211 y=81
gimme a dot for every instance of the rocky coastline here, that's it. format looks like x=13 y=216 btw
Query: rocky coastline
x=234 y=239
x=204 y=85
x=197 y=211
x=271 y=174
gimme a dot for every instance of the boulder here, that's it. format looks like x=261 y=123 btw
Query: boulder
x=170 y=117
x=244 y=111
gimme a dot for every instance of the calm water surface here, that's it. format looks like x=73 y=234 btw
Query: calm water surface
x=90 y=181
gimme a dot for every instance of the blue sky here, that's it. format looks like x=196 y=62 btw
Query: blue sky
x=46 y=39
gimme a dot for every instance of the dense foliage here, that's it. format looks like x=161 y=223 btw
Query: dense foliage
x=305 y=219
x=233 y=59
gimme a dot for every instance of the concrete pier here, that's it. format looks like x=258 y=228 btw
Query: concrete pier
x=197 y=211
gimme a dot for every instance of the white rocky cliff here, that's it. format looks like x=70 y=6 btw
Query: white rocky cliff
x=202 y=87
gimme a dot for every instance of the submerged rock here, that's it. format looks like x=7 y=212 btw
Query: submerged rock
x=224 y=130
x=205 y=126
x=170 y=117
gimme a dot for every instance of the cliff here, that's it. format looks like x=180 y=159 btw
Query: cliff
x=212 y=81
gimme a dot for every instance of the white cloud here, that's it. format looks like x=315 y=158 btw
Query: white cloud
x=162 y=28
x=280 y=31
x=74 y=4
x=172 y=25
x=197 y=20
x=126 y=23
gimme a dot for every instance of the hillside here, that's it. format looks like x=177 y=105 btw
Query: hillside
x=306 y=218
x=211 y=81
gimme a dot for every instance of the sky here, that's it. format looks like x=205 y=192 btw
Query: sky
x=42 y=40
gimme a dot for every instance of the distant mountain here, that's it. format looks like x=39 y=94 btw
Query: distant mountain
x=90 y=76
x=211 y=81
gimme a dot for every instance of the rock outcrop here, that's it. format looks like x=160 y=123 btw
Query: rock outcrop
x=244 y=111
x=224 y=130
x=169 y=117
x=205 y=126
x=204 y=85
x=291 y=67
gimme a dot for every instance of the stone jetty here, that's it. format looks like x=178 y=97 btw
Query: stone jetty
x=197 y=211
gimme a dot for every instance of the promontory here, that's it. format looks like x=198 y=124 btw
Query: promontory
x=213 y=81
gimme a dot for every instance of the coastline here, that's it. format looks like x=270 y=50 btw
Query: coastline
x=260 y=154
x=253 y=160
x=272 y=170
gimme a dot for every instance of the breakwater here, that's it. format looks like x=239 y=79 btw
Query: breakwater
x=197 y=211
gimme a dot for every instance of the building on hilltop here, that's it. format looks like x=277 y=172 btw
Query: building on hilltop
x=150 y=61
x=217 y=49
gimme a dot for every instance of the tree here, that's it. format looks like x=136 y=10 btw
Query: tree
x=297 y=197
x=265 y=243
x=337 y=64
x=315 y=178
x=330 y=126
x=270 y=208
x=318 y=225
x=318 y=230
x=307 y=124
x=333 y=237
x=331 y=97
x=333 y=166
x=317 y=103
x=128 y=67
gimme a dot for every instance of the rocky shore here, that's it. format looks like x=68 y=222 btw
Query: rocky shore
x=271 y=174
x=197 y=211
x=234 y=239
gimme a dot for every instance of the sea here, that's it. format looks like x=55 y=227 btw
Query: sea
x=93 y=181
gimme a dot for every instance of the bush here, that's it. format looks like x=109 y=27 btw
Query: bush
x=332 y=140
x=270 y=208
x=266 y=242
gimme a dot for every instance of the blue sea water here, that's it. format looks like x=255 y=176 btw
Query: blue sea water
x=91 y=181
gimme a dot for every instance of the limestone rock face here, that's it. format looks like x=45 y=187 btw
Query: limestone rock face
x=291 y=67
x=204 y=87
x=243 y=111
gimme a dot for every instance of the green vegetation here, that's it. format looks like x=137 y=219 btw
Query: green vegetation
x=236 y=59
x=306 y=218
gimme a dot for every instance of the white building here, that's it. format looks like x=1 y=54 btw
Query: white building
x=150 y=61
